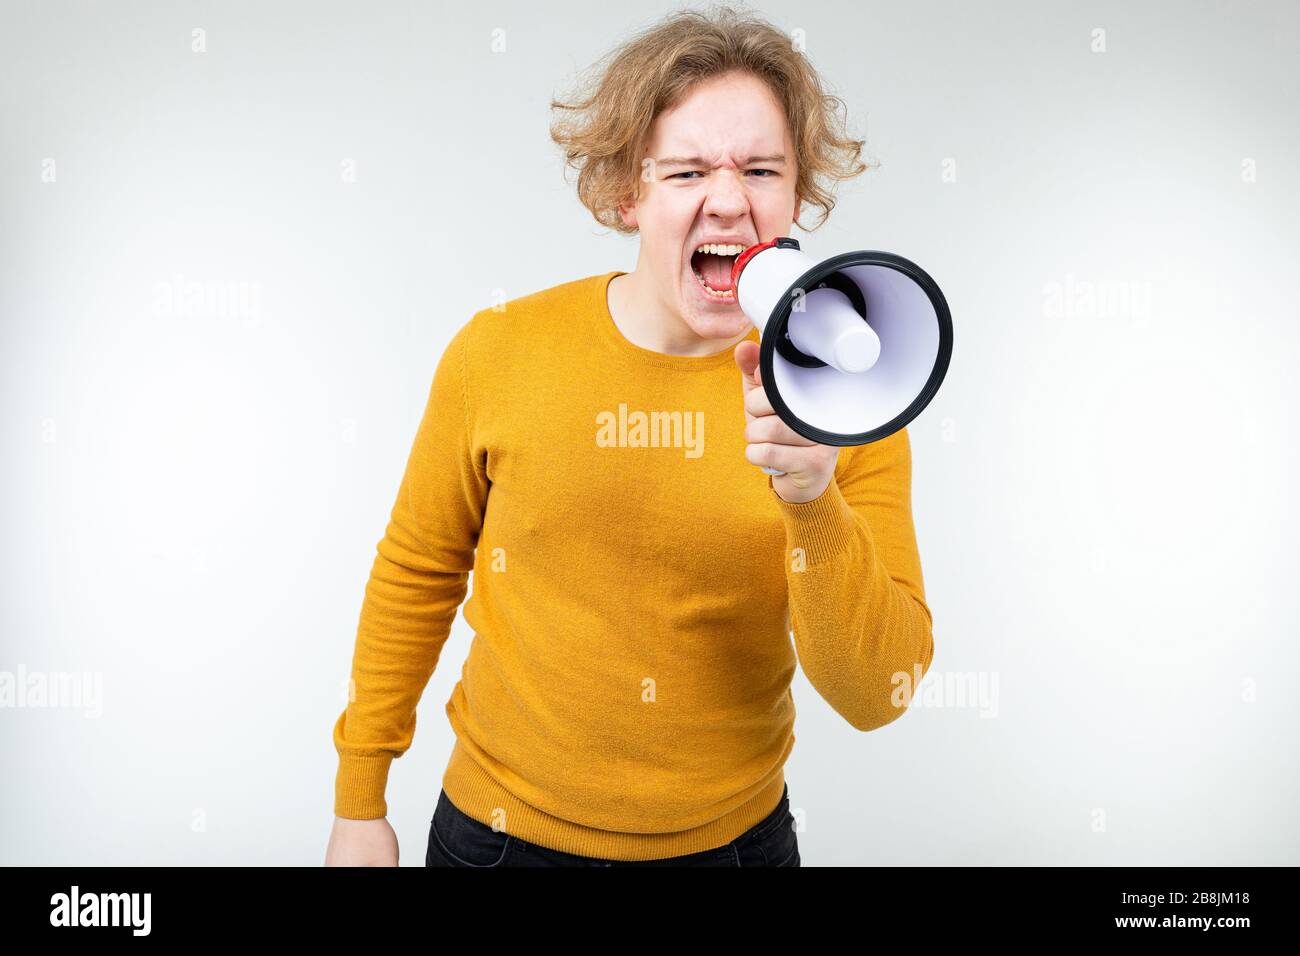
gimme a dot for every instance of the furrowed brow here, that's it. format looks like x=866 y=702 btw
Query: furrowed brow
x=776 y=159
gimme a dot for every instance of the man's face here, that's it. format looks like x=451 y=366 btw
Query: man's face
x=719 y=168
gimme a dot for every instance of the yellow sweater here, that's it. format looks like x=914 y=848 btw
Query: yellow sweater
x=627 y=691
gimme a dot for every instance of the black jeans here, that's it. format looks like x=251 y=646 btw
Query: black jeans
x=457 y=839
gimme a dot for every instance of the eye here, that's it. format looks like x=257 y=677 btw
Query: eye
x=695 y=172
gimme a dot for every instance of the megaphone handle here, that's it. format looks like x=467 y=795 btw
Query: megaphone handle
x=771 y=471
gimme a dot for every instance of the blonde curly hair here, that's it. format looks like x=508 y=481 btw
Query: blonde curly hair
x=609 y=121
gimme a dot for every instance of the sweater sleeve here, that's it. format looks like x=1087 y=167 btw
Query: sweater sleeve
x=862 y=628
x=417 y=581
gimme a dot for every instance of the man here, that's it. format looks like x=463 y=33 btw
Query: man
x=586 y=452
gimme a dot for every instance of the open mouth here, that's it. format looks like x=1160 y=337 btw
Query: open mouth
x=712 y=264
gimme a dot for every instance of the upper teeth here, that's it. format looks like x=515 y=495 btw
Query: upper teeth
x=715 y=249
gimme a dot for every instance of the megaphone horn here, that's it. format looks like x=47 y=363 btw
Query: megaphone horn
x=851 y=348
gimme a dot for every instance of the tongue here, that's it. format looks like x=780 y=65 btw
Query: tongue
x=716 y=270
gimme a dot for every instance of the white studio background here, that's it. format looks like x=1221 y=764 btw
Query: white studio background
x=193 y=487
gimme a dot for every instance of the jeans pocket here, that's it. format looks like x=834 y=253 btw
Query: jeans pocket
x=457 y=839
x=772 y=841
x=780 y=844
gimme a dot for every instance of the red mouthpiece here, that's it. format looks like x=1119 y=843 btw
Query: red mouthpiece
x=744 y=257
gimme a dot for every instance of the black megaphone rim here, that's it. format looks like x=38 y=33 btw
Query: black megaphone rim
x=775 y=330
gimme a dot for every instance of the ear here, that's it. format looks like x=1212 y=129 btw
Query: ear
x=627 y=208
x=627 y=212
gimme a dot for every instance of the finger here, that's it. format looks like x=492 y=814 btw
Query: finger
x=746 y=356
x=783 y=457
x=756 y=402
x=771 y=428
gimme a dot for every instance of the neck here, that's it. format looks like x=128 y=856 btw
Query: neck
x=646 y=321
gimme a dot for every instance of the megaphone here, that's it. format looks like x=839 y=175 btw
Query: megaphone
x=851 y=348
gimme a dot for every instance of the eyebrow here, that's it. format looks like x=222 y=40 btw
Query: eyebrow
x=697 y=161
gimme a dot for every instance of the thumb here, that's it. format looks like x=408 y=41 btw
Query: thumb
x=747 y=361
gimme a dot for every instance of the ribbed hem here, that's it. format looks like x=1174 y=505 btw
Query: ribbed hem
x=822 y=527
x=477 y=793
x=359 y=786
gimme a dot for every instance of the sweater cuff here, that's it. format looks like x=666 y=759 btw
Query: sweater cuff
x=359 y=786
x=822 y=527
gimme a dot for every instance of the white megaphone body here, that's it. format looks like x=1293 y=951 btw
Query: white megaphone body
x=852 y=348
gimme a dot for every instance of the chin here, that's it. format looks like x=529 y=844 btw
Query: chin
x=721 y=323
x=707 y=318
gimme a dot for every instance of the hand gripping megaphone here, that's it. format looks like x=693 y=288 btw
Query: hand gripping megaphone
x=851 y=348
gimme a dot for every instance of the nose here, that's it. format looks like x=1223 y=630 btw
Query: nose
x=726 y=197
